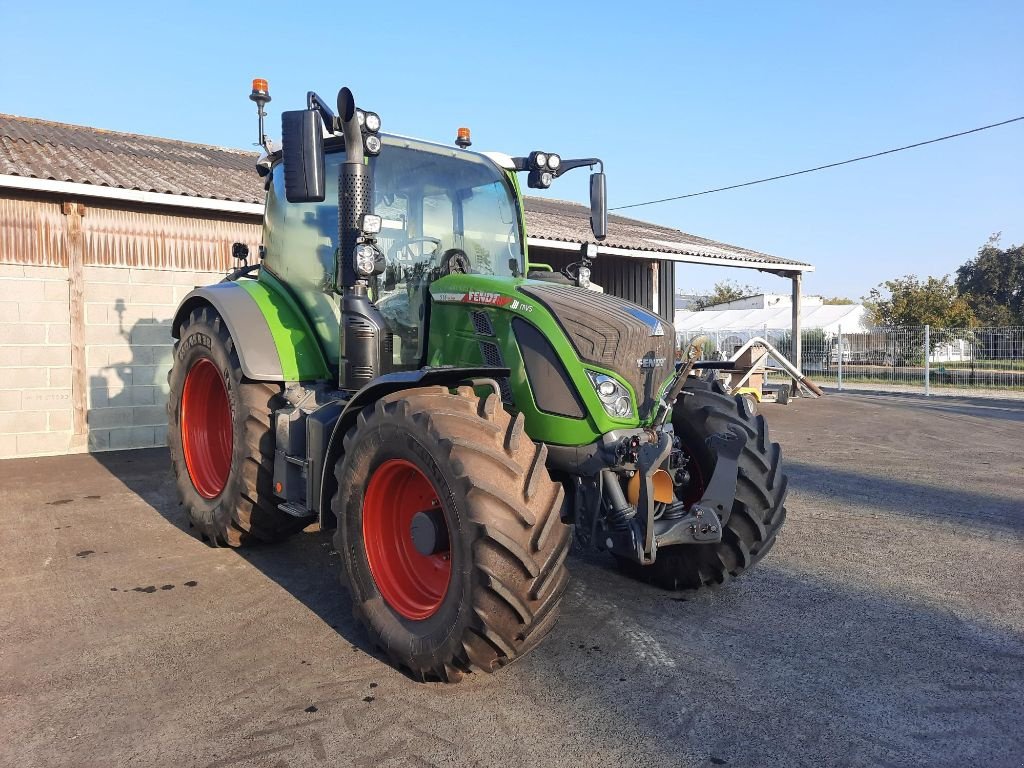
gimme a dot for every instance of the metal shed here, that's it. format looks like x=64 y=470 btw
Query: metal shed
x=102 y=233
x=638 y=259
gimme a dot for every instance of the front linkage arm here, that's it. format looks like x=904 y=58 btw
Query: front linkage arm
x=703 y=523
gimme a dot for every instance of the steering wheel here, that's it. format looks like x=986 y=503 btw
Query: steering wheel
x=454 y=261
x=397 y=249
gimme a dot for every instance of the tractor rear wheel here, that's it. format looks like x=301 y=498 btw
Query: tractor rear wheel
x=450 y=532
x=758 y=509
x=220 y=438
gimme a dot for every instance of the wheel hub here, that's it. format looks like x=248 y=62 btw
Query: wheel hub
x=429 y=532
x=408 y=547
x=207 y=437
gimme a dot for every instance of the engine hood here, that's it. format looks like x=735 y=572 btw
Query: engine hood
x=614 y=334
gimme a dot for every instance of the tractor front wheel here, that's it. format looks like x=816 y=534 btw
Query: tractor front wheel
x=758 y=511
x=220 y=438
x=450 y=532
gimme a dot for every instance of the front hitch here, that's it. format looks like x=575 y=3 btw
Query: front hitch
x=701 y=523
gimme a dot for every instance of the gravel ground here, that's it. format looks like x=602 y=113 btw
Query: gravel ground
x=886 y=627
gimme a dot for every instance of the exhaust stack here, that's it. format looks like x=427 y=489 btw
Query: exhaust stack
x=366 y=346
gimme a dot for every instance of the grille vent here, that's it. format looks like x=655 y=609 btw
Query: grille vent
x=491 y=354
x=482 y=323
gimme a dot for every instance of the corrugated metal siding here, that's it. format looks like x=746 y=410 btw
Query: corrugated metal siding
x=32 y=233
x=119 y=238
x=627 y=278
x=667 y=290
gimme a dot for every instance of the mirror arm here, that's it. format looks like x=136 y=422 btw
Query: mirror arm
x=523 y=164
x=571 y=165
x=313 y=101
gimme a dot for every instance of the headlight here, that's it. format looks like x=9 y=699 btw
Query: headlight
x=554 y=161
x=613 y=395
x=366 y=258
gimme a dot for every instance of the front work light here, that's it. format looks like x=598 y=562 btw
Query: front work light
x=365 y=259
x=614 y=397
x=372 y=122
x=554 y=161
x=583 y=277
x=372 y=144
x=370 y=224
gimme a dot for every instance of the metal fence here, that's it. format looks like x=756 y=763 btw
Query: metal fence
x=909 y=358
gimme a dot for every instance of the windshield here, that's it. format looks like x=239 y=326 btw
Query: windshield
x=432 y=199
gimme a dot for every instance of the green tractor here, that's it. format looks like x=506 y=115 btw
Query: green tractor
x=395 y=367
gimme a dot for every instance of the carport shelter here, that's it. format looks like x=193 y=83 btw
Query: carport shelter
x=103 y=233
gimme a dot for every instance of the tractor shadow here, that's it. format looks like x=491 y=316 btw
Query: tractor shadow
x=128 y=384
x=305 y=565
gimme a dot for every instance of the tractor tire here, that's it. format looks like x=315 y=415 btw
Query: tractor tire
x=220 y=439
x=758 y=511
x=486 y=586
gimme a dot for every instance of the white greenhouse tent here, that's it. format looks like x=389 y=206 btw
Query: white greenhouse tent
x=728 y=329
x=827 y=317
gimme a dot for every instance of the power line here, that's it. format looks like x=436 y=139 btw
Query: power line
x=820 y=167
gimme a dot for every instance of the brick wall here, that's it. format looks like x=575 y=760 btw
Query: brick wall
x=128 y=312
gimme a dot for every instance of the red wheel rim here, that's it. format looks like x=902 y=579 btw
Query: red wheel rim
x=206 y=431
x=413 y=584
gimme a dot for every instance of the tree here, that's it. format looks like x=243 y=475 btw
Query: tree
x=993 y=283
x=834 y=300
x=724 y=290
x=909 y=301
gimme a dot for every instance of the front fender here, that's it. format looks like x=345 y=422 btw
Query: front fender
x=376 y=389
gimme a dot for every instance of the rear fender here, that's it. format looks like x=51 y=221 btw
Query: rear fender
x=273 y=340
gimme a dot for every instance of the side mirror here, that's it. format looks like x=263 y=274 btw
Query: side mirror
x=598 y=206
x=303 y=152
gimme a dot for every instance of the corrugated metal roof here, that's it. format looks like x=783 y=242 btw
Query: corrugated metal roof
x=564 y=221
x=45 y=150
x=42 y=149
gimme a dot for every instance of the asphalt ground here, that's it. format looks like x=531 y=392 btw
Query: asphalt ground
x=885 y=628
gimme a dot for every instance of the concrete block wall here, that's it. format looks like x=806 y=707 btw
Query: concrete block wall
x=35 y=362
x=127 y=318
x=128 y=344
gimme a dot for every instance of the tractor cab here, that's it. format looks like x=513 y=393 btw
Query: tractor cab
x=436 y=204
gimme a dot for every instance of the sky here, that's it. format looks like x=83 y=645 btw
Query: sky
x=676 y=97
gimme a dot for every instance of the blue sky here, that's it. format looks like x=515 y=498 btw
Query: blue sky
x=676 y=97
